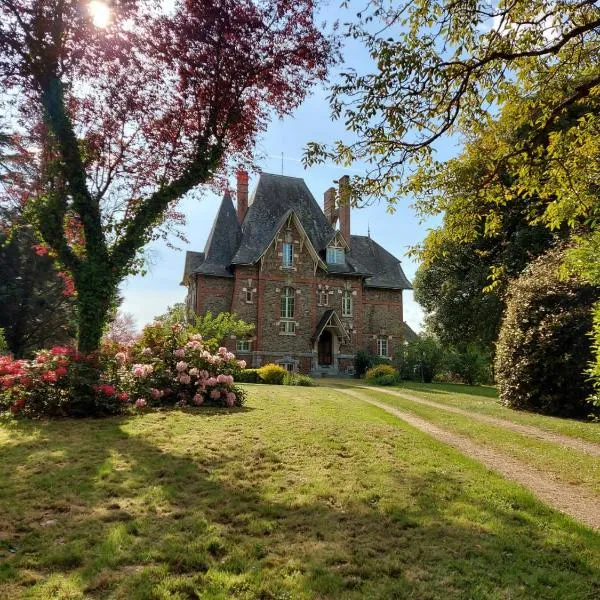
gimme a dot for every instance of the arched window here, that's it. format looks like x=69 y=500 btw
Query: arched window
x=287 y=303
x=346 y=304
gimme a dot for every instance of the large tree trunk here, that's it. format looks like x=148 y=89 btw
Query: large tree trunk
x=96 y=290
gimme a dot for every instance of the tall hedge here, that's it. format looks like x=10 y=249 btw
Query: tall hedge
x=544 y=348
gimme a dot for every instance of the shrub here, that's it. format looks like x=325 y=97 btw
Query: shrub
x=248 y=376
x=543 y=348
x=298 y=379
x=272 y=374
x=174 y=368
x=421 y=359
x=471 y=366
x=3 y=344
x=382 y=375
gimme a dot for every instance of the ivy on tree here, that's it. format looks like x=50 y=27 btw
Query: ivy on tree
x=128 y=118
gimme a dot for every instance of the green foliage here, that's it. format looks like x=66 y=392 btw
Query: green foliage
x=3 y=344
x=420 y=359
x=471 y=366
x=298 y=379
x=544 y=347
x=363 y=361
x=36 y=312
x=215 y=330
x=492 y=55
x=272 y=374
x=248 y=376
x=583 y=260
x=382 y=375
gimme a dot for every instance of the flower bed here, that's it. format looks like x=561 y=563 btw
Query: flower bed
x=166 y=367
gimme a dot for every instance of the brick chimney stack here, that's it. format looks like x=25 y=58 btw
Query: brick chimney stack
x=344 y=206
x=242 y=194
x=329 y=206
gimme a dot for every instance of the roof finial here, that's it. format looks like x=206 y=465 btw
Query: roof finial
x=282 y=163
x=369 y=229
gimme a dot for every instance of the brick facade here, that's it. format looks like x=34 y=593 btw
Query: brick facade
x=267 y=262
x=254 y=294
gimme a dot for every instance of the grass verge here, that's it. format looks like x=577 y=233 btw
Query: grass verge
x=306 y=493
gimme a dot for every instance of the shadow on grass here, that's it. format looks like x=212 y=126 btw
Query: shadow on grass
x=87 y=505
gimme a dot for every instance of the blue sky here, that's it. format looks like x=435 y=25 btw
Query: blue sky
x=148 y=296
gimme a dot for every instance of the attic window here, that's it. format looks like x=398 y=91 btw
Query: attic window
x=335 y=255
x=288 y=254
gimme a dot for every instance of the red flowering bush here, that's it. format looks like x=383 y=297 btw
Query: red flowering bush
x=45 y=385
x=167 y=367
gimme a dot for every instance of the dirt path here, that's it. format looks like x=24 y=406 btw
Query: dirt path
x=570 y=499
x=530 y=430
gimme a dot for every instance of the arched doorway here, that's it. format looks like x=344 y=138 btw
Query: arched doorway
x=325 y=348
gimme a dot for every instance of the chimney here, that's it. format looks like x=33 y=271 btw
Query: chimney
x=329 y=206
x=344 y=207
x=242 y=194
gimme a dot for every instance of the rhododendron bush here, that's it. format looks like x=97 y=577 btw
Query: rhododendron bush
x=168 y=366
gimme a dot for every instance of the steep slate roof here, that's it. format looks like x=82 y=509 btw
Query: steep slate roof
x=275 y=195
x=192 y=261
x=385 y=269
x=273 y=200
x=409 y=334
x=223 y=241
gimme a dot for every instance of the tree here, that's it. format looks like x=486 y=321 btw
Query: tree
x=214 y=329
x=544 y=347
x=37 y=305
x=129 y=117
x=122 y=329
x=442 y=67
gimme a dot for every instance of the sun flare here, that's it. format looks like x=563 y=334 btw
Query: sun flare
x=100 y=13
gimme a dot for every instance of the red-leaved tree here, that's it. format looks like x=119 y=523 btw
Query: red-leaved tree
x=125 y=115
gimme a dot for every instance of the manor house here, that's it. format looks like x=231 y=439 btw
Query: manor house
x=315 y=293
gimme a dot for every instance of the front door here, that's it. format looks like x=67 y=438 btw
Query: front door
x=326 y=348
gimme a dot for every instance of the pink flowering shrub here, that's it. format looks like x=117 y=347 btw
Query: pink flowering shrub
x=166 y=367
x=170 y=366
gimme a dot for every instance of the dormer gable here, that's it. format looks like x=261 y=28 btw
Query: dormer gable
x=336 y=249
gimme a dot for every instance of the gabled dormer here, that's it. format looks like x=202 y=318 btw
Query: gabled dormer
x=336 y=249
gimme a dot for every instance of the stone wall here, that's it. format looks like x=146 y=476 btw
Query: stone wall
x=255 y=296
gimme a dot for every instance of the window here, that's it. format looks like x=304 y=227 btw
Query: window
x=287 y=303
x=382 y=346
x=288 y=366
x=347 y=304
x=287 y=327
x=249 y=296
x=288 y=254
x=323 y=298
x=335 y=256
x=243 y=346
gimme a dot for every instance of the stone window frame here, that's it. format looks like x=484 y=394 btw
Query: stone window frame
x=287 y=305
x=287 y=258
x=249 y=296
x=323 y=297
x=243 y=345
x=383 y=346
x=347 y=304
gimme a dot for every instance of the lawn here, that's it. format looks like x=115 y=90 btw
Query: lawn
x=305 y=493
x=565 y=464
x=484 y=399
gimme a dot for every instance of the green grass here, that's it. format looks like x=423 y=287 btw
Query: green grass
x=484 y=400
x=306 y=493
x=566 y=464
